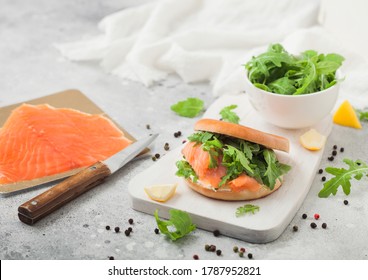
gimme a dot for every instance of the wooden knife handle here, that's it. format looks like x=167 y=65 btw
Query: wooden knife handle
x=52 y=199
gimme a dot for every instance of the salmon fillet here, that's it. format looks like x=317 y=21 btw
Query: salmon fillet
x=199 y=160
x=39 y=141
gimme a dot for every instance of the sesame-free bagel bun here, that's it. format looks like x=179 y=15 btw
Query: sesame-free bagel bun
x=242 y=132
x=225 y=193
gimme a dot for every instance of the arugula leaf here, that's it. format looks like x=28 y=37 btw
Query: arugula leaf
x=362 y=115
x=247 y=208
x=278 y=71
x=343 y=176
x=274 y=169
x=283 y=85
x=179 y=224
x=233 y=155
x=189 y=108
x=200 y=137
x=185 y=170
x=228 y=115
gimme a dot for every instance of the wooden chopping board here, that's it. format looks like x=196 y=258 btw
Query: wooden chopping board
x=276 y=210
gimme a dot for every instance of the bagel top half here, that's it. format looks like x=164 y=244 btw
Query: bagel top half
x=243 y=132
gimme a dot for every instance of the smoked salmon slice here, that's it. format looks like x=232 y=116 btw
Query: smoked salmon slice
x=244 y=182
x=200 y=161
x=38 y=141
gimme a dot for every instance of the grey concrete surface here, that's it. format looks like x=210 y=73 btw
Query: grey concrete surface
x=31 y=67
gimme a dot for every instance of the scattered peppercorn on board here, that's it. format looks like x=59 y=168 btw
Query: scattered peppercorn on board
x=276 y=210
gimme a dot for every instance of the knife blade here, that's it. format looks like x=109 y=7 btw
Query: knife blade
x=47 y=202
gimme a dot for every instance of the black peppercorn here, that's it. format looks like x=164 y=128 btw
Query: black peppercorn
x=342 y=150
x=157 y=156
x=331 y=158
x=157 y=231
x=304 y=216
x=111 y=258
x=324 y=225
x=295 y=228
x=334 y=147
x=250 y=256
x=216 y=232
x=167 y=147
x=130 y=229
x=218 y=252
x=320 y=171
x=117 y=229
x=323 y=178
x=130 y=221
x=313 y=225
x=346 y=202
x=107 y=227
x=177 y=134
x=334 y=153
x=148 y=126
x=127 y=232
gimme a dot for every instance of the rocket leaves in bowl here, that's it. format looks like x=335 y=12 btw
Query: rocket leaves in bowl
x=278 y=71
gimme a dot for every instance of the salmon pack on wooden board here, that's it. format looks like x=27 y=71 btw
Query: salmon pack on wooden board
x=53 y=137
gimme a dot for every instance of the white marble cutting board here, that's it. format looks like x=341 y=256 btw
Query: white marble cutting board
x=276 y=210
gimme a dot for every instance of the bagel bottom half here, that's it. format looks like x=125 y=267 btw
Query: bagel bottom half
x=225 y=193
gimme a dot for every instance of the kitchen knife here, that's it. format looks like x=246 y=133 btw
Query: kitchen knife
x=57 y=196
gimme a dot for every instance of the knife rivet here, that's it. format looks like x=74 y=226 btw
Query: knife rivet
x=34 y=202
x=93 y=168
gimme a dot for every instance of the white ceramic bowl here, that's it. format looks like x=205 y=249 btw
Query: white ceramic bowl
x=292 y=111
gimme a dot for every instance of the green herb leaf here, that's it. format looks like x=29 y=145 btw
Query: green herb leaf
x=228 y=115
x=283 y=85
x=280 y=72
x=200 y=137
x=343 y=176
x=190 y=108
x=179 y=224
x=274 y=169
x=185 y=170
x=247 y=208
x=233 y=155
x=362 y=115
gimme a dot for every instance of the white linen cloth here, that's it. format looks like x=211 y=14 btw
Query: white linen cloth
x=209 y=40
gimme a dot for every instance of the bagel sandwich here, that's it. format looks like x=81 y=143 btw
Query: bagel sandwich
x=228 y=161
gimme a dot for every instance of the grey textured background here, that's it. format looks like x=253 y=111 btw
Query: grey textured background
x=31 y=67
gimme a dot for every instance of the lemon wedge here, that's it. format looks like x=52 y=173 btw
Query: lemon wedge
x=161 y=193
x=312 y=140
x=345 y=115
